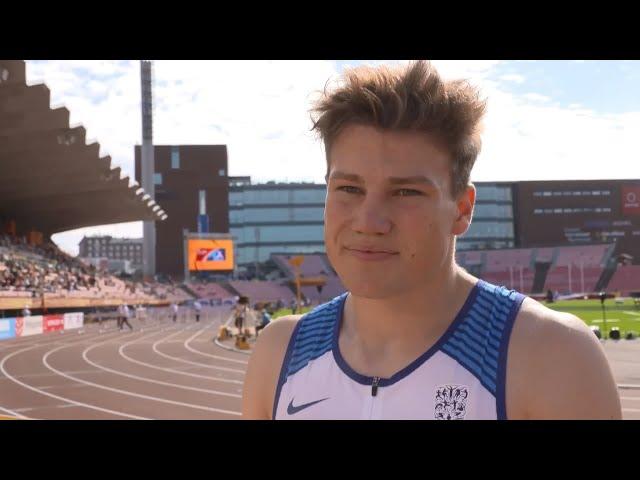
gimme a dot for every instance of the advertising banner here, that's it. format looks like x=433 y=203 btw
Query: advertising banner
x=31 y=325
x=73 y=320
x=7 y=328
x=53 y=323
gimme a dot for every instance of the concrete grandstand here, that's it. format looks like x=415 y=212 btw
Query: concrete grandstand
x=52 y=181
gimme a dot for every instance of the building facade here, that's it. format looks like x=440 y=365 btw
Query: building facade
x=275 y=218
x=129 y=249
x=289 y=218
x=191 y=184
x=580 y=212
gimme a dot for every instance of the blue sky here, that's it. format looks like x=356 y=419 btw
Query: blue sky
x=546 y=119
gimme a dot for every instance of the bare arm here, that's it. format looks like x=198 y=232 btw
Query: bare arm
x=264 y=367
x=566 y=372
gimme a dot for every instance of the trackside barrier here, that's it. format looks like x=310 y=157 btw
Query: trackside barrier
x=26 y=326
x=7 y=328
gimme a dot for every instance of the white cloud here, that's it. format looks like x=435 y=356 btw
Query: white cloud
x=259 y=109
x=513 y=77
x=535 y=97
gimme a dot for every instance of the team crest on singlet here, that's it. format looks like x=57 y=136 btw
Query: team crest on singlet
x=451 y=402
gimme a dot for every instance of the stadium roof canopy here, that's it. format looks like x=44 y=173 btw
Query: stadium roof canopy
x=50 y=179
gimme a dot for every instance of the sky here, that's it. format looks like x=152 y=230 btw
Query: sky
x=546 y=120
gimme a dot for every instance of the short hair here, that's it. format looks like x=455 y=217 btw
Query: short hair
x=412 y=98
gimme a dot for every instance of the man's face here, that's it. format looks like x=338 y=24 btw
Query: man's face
x=389 y=215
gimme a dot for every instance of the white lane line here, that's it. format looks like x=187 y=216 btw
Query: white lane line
x=14 y=413
x=130 y=393
x=59 y=397
x=30 y=409
x=172 y=370
x=628 y=386
x=154 y=347
x=217 y=357
x=150 y=380
x=631 y=409
x=635 y=314
x=632 y=399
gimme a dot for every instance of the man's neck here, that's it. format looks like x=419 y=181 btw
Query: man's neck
x=416 y=317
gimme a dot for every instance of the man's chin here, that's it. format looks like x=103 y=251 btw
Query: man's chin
x=371 y=290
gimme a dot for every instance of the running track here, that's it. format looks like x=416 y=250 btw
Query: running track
x=161 y=370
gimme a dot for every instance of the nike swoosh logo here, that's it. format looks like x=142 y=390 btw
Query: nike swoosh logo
x=292 y=410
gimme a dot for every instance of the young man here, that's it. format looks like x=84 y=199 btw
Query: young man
x=416 y=336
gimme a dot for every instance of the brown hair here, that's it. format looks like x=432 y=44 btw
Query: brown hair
x=413 y=98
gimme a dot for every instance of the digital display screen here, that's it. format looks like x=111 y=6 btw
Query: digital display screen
x=210 y=254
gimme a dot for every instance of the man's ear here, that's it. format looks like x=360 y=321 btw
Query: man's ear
x=464 y=210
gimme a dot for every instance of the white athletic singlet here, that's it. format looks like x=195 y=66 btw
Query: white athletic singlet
x=462 y=376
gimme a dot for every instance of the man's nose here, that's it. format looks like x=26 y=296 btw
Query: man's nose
x=372 y=217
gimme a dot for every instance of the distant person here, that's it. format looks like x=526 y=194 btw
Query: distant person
x=174 y=311
x=240 y=313
x=294 y=306
x=264 y=317
x=123 y=317
x=549 y=296
x=197 y=306
x=415 y=336
x=26 y=312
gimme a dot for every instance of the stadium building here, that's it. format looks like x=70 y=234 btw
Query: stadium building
x=192 y=185
x=275 y=218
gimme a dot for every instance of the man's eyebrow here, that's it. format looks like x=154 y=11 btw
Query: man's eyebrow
x=417 y=179
x=414 y=180
x=338 y=175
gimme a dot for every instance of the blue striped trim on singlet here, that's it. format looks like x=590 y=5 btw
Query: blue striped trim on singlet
x=480 y=341
x=314 y=337
x=311 y=338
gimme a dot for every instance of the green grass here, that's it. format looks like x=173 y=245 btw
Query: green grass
x=287 y=311
x=624 y=316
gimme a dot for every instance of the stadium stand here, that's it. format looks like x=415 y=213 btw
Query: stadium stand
x=573 y=269
x=262 y=291
x=52 y=181
x=209 y=290
x=626 y=279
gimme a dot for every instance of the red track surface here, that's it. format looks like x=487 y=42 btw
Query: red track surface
x=163 y=370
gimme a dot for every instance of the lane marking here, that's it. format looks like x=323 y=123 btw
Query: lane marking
x=59 y=397
x=154 y=347
x=186 y=345
x=130 y=393
x=171 y=370
x=85 y=354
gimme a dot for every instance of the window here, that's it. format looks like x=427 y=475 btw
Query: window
x=202 y=202
x=175 y=158
x=157 y=179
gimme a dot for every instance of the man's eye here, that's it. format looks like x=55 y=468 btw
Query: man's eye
x=348 y=189
x=407 y=192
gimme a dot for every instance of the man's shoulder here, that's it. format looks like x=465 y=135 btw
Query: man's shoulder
x=553 y=358
x=264 y=367
x=277 y=333
x=539 y=325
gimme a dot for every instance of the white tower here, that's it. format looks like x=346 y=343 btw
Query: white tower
x=147 y=166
